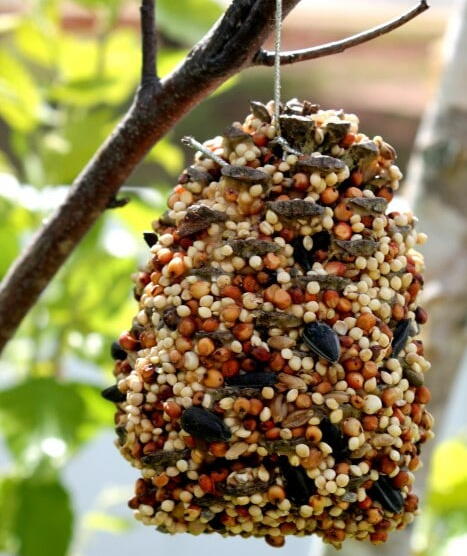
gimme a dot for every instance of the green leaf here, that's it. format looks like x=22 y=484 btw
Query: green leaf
x=100 y=521
x=187 y=20
x=91 y=70
x=44 y=420
x=38 y=44
x=20 y=96
x=167 y=60
x=137 y=215
x=8 y=511
x=226 y=86
x=42 y=524
x=99 y=3
x=103 y=301
x=8 y=22
x=99 y=413
x=167 y=155
x=64 y=155
x=448 y=477
x=5 y=165
x=14 y=221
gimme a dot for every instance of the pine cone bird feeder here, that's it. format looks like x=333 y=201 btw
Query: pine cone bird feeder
x=271 y=383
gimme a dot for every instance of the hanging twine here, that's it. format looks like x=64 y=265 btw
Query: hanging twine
x=277 y=64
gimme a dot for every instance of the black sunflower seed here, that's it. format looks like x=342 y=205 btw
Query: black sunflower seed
x=113 y=394
x=201 y=423
x=305 y=258
x=321 y=241
x=401 y=334
x=216 y=522
x=171 y=318
x=150 y=238
x=121 y=433
x=302 y=256
x=322 y=339
x=254 y=379
x=334 y=437
x=389 y=497
x=298 y=485
x=267 y=277
x=117 y=352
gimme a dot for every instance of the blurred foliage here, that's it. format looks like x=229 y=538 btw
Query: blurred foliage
x=441 y=529
x=61 y=93
x=39 y=522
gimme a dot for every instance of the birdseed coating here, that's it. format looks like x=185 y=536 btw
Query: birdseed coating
x=272 y=382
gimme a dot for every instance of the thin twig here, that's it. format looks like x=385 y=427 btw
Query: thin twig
x=148 y=42
x=266 y=57
x=197 y=146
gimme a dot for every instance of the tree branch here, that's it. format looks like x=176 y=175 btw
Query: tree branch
x=148 y=42
x=266 y=57
x=227 y=48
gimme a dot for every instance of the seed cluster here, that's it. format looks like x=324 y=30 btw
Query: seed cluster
x=272 y=382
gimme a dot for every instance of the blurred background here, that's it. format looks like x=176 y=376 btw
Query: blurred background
x=68 y=71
